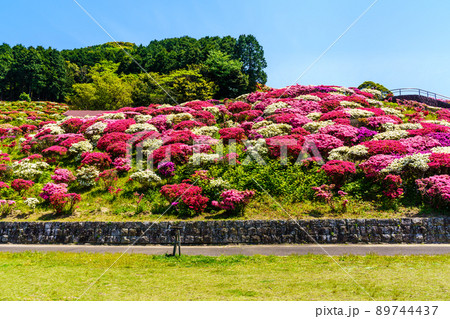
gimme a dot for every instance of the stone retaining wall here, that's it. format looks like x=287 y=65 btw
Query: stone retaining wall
x=406 y=230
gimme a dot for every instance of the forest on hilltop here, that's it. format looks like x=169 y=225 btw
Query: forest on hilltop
x=107 y=76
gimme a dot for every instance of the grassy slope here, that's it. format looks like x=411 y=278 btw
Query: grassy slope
x=64 y=276
x=122 y=209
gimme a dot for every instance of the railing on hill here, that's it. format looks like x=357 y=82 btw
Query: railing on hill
x=420 y=92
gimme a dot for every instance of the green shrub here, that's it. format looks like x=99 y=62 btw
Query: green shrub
x=291 y=182
x=24 y=97
x=376 y=86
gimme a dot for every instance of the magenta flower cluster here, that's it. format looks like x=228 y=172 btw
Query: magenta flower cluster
x=166 y=169
x=233 y=200
x=50 y=188
x=346 y=133
x=339 y=170
x=186 y=197
x=63 y=176
x=436 y=189
x=97 y=159
x=392 y=186
x=121 y=164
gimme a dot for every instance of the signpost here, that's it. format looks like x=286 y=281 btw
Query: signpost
x=177 y=242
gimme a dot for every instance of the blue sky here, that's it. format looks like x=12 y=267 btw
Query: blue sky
x=398 y=43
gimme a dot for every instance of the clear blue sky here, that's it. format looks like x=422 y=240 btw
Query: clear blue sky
x=398 y=43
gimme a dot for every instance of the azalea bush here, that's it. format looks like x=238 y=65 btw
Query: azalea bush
x=26 y=169
x=435 y=189
x=21 y=185
x=71 y=140
x=121 y=164
x=179 y=153
x=31 y=202
x=6 y=206
x=166 y=169
x=97 y=159
x=336 y=200
x=72 y=125
x=392 y=186
x=233 y=200
x=61 y=202
x=108 y=178
x=146 y=178
x=232 y=134
x=86 y=176
x=338 y=171
x=186 y=198
x=290 y=146
x=119 y=125
x=50 y=188
x=64 y=176
x=112 y=138
x=54 y=151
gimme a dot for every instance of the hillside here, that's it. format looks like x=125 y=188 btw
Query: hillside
x=318 y=150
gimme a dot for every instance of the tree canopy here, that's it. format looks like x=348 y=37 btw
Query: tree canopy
x=377 y=86
x=251 y=54
x=107 y=89
x=221 y=69
x=185 y=67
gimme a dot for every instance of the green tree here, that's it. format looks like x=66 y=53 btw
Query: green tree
x=17 y=77
x=56 y=83
x=145 y=90
x=26 y=73
x=226 y=74
x=156 y=58
x=110 y=51
x=208 y=44
x=84 y=97
x=376 y=86
x=251 y=54
x=6 y=60
x=34 y=72
x=189 y=84
x=24 y=97
x=177 y=86
x=106 y=91
x=75 y=74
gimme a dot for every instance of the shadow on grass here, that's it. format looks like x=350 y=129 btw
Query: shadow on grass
x=51 y=216
x=425 y=210
x=432 y=212
x=224 y=215
x=21 y=216
x=316 y=213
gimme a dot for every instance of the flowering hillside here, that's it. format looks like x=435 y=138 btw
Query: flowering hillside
x=326 y=144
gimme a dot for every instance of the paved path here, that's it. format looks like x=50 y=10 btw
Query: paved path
x=278 y=250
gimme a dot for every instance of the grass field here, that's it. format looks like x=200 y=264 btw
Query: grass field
x=65 y=276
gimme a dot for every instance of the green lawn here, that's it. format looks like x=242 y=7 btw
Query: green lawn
x=65 y=276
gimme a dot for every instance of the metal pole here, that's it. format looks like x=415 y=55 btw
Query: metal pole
x=174 y=246
x=177 y=241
